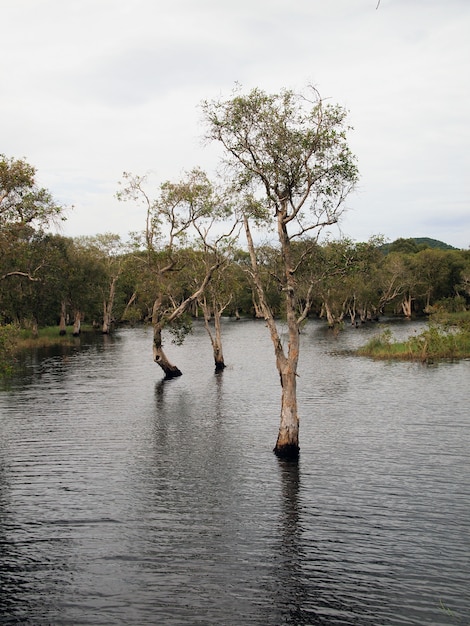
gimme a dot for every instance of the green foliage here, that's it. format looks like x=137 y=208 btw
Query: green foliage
x=435 y=343
x=22 y=202
x=441 y=308
x=286 y=145
x=9 y=334
x=180 y=328
x=440 y=343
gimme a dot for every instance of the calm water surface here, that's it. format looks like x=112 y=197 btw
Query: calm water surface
x=128 y=500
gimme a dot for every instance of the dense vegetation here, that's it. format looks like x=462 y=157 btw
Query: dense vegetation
x=445 y=337
x=52 y=280
x=46 y=278
x=355 y=282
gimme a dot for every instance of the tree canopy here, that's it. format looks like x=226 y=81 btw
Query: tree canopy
x=22 y=201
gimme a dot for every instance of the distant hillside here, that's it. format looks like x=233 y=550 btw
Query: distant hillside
x=415 y=244
x=433 y=243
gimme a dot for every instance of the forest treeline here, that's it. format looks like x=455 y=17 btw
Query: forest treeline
x=48 y=279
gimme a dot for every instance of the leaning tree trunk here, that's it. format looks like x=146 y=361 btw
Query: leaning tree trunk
x=159 y=356
x=287 y=444
x=171 y=371
x=128 y=305
x=333 y=320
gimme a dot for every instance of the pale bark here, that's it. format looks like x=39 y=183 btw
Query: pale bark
x=108 y=307
x=352 y=311
x=287 y=444
x=77 y=323
x=160 y=320
x=159 y=356
x=128 y=305
x=216 y=336
x=406 y=306
x=259 y=315
x=63 y=319
x=329 y=315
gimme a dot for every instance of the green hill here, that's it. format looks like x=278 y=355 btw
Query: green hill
x=415 y=244
x=433 y=243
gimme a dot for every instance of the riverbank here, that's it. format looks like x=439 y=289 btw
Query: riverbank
x=13 y=340
x=49 y=336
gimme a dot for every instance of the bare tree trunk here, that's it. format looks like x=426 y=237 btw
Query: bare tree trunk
x=159 y=356
x=216 y=336
x=159 y=321
x=329 y=315
x=259 y=315
x=108 y=308
x=77 y=324
x=406 y=305
x=218 y=352
x=287 y=444
x=333 y=318
x=352 y=310
x=128 y=305
x=63 y=322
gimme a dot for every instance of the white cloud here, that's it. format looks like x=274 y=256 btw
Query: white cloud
x=92 y=88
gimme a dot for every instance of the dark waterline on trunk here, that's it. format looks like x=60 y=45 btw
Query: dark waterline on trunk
x=287 y=452
x=127 y=499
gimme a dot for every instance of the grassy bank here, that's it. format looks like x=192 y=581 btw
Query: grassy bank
x=445 y=338
x=48 y=336
x=13 y=340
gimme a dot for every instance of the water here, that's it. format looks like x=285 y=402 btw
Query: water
x=128 y=500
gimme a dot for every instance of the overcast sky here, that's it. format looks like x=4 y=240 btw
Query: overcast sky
x=92 y=88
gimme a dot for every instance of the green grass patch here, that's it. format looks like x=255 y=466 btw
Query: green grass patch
x=49 y=336
x=440 y=341
x=13 y=340
x=9 y=336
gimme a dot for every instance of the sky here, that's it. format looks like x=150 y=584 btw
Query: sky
x=92 y=88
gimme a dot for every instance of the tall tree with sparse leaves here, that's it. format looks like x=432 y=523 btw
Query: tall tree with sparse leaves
x=289 y=155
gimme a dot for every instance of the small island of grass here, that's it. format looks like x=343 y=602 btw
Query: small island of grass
x=14 y=339
x=445 y=338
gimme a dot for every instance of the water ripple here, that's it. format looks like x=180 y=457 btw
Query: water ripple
x=126 y=500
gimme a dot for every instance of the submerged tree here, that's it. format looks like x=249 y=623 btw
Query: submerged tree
x=289 y=155
x=214 y=302
x=182 y=214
